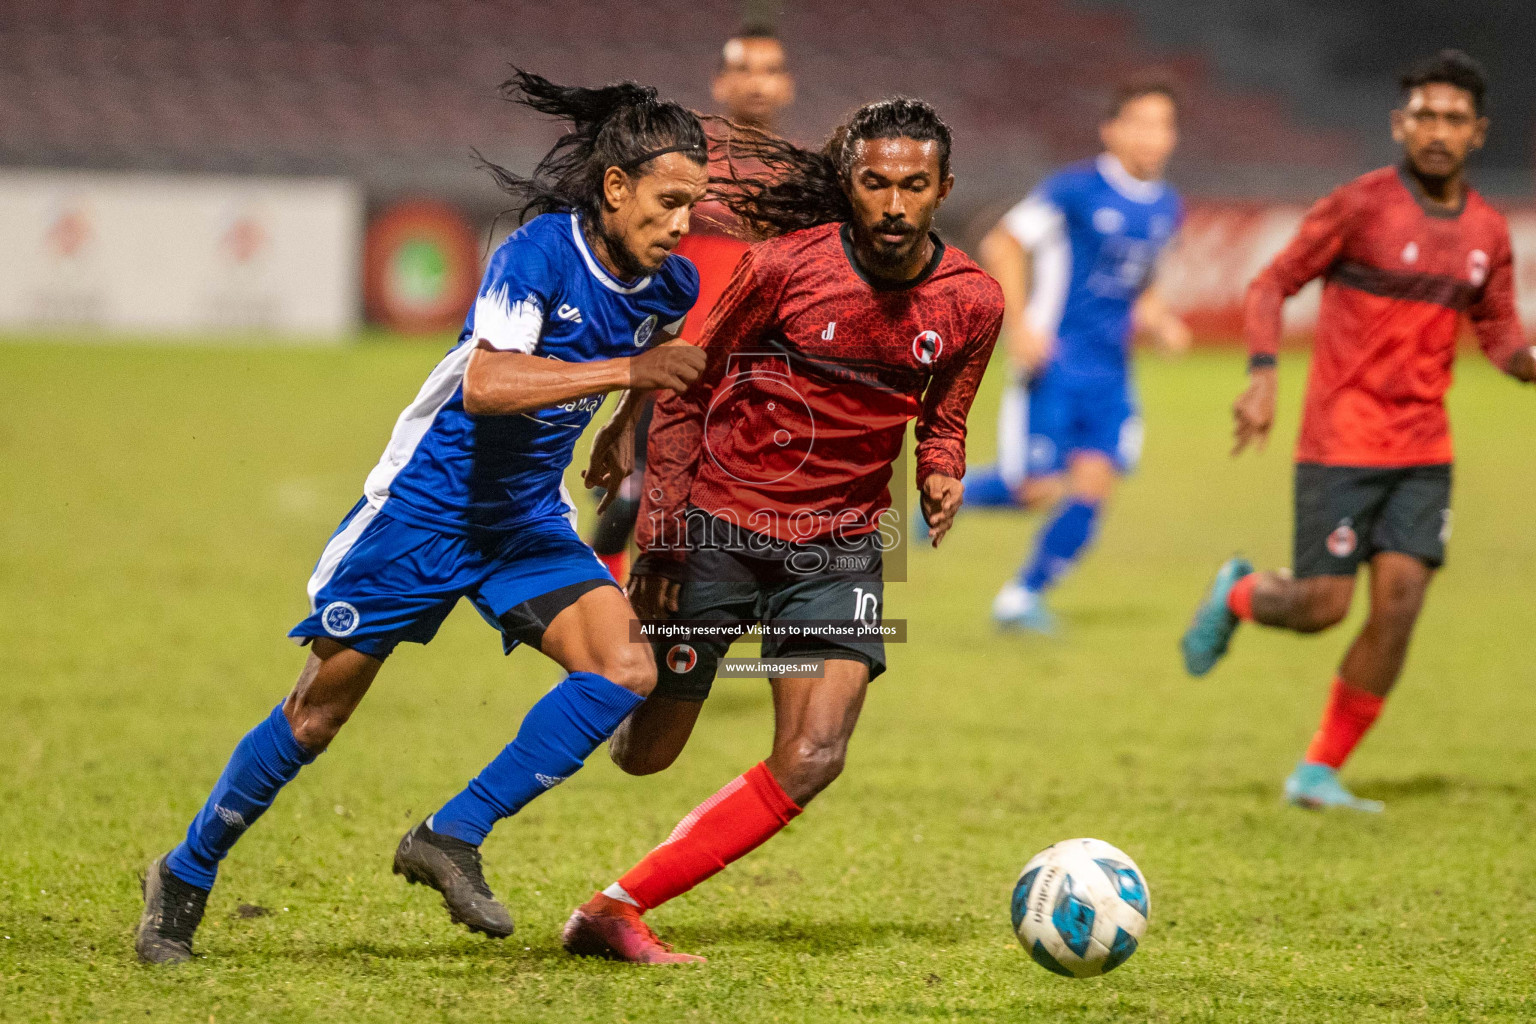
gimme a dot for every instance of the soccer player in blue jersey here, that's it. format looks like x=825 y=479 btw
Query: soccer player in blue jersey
x=467 y=501
x=1076 y=261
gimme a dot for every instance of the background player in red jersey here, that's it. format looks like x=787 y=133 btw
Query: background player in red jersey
x=767 y=482
x=753 y=86
x=1404 y=252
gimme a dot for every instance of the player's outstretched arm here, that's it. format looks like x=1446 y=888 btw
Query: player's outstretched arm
x=1152 y=315
x=940 y=428
x=1004 y=257
x=499 y=383
x=1316 y=246
x=1497 y=323
x=1254 y=411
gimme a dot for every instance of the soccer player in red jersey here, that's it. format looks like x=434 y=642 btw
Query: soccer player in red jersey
x=753 y=86
x=1404 y=252
x=768 y=480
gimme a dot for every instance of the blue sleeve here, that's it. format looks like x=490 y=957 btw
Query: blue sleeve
x=519 y=291
x=683 y=291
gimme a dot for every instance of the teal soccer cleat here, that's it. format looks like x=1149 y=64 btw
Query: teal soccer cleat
x=1317 y=786
x=1206 y=640
x=1017 y=608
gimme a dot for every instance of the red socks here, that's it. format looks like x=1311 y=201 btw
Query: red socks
x=747 y=812
x=1240 y=597
x=1350 y=712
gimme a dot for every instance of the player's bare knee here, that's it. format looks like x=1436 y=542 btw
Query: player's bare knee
x=634 y=756
x=817 y=762
x=1323 y=606
x=632 y=667
x=315 y=727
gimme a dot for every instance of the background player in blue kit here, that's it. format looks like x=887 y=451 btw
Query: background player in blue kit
x=467 y=501
x=1076 y=261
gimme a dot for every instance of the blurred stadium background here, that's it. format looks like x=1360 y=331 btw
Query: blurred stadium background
x=299 y=133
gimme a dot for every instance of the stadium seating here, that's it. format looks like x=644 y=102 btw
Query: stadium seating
x=392 y=87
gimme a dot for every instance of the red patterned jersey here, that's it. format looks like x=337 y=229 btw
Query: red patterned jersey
x=813 y=372
x=1399 y=272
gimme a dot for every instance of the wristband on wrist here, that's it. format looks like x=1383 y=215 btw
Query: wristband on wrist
x=1261 y=361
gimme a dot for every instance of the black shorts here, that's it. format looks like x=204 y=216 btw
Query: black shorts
x=1347 y=514
x=737 y=577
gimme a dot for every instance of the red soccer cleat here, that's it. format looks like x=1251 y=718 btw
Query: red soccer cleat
x=611 y=928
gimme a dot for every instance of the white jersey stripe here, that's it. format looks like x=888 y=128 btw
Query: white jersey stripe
x=415 y=421
x=336 y=550
x=1013 y=434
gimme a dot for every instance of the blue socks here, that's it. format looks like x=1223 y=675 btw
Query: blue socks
x=985 y=488
x=567 y=724
x=265 y=760
x=557 y=734
x=1059 y=544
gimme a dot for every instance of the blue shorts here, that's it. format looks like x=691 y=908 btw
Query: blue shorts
x=1042 y=425
x=381 y=581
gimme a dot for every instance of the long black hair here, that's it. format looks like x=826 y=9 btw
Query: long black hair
x=624 y=125
x=790 y=188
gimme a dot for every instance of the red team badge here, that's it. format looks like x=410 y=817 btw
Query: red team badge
x=927 y=346
x=1341 y=542
x=681 y=659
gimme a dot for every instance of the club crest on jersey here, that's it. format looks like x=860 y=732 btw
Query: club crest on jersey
x=339 y=618
x=1108 y=220
x=1477 y=267
x=681 y=659
x=1342 y=541
x=645 y=330
x=927 y=346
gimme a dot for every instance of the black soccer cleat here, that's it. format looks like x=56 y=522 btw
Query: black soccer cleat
x=452 y=867
x=172 y=911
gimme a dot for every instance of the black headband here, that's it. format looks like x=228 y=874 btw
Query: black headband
x=653 y=154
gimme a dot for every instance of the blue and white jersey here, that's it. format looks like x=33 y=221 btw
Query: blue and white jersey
x=1094 y=234
x=545 y=294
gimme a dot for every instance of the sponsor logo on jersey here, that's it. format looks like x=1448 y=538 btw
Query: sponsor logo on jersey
x=1342 y=541
x=681 y=659
x=339 y=618
x=645 y=330
x=1411 y=252
x=568 y=312
x=1477 y=267
x=1108 y=221
x=927 y=346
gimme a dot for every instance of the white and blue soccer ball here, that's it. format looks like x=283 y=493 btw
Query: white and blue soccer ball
x=1080 y=907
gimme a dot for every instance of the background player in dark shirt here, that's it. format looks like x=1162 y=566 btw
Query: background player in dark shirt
x=767 y=482
x=1404 y=252
x=752 y=84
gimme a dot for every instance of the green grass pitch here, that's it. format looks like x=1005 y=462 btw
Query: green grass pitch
x=160 y=510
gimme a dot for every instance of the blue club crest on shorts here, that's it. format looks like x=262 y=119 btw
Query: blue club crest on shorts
x=339 y=618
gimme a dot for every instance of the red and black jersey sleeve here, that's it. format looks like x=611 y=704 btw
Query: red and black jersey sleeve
x=676 y=437
x=1315 y=248
x=947 y=401
x=1493 y=315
